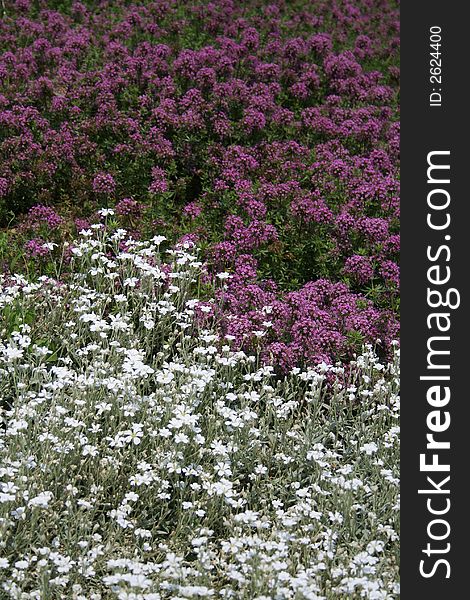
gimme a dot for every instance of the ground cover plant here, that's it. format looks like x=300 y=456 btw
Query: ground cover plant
x=199 y=299
x=268 y=133
x=142 y=458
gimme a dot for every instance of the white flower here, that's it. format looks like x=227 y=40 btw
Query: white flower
x=49 y=246
x=158 y=239
x=369 y=448
x=335 y=517
x=134 y=435
x=375 y=546
x=134 y=365
x=12 y=353
x=42 y=500
x=106 y=212
x=89 y=450
x=118 y=323
x=131 y=497
x=131 y=282
x=165 y=377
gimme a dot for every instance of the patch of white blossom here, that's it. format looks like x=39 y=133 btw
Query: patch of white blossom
x=142 y=459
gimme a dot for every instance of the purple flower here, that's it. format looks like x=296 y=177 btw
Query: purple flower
x=103 y=183
x=40 y=215
x=253 y=120
x=159 y=183
x=81 y=224
x=127 y=207
x=3 y=187
x=192 y=210
x=311 y=208
x=390 y=271
x=35 y=248
x=359 y=268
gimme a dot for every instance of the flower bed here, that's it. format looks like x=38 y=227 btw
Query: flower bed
x=142 y=458
x=261 y=130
